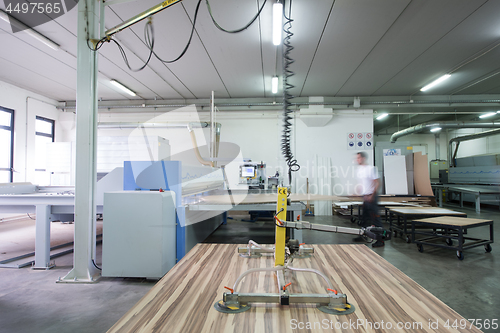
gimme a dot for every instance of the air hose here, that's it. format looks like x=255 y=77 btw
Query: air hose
x=286 y=149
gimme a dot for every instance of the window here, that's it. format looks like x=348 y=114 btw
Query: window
x=44 y=129
x=7 y=145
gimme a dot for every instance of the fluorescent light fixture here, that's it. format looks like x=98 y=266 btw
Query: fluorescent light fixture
x=382 y=116
x=277 y=22
x=498 y=111
x=487 y=115
x=122 y=87
x=438 y=81
x=274 y=84
x=436 y=129
x=33 y=33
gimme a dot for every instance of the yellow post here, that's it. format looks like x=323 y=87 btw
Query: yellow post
x=279 y=247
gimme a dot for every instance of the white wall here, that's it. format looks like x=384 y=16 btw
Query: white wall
x=419 y=141
x=27 y=105
x=330 y=142
x=258 y=134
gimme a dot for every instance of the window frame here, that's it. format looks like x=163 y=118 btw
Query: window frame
x=11 y=129
x=51 y=135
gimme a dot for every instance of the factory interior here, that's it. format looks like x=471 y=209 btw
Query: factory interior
x=249 y=166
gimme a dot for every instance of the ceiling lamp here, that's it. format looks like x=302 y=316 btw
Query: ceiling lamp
x=438 y=81
x=33 y=33
x=487 y=115
x=274 y=84
x=436 y=129
x=277 y=22
x=122 y=87
x=382 y=116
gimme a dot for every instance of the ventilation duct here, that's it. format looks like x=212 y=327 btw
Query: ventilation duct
x=316 y=115
x=443 y=125
x=452 y=155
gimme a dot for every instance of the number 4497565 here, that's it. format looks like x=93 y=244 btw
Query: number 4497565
x=35 y=7
x=479 y=323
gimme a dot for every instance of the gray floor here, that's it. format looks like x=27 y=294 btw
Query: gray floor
x=31 y=301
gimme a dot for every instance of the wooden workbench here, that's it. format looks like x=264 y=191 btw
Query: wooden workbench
x=453 y=235
x=183 y=300
x=405 y=214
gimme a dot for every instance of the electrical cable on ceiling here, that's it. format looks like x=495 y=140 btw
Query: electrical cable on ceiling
x=286 y=149
x=149 y=38
x=237 y=30
x=149 y=41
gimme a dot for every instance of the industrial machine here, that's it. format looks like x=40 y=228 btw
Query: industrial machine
x=273 y=181
x=253 y=174
x=332 y=302
x=435 y=168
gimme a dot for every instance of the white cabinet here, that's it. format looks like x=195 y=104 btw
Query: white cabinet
x=139 y=234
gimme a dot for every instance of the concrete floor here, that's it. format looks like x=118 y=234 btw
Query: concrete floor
x=31 y=301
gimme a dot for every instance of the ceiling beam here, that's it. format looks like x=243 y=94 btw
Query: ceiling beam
x=389 y=103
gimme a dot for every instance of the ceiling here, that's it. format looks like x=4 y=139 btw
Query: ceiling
x=381 y=51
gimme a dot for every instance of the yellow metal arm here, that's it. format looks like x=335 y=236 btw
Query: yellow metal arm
x=279 y=249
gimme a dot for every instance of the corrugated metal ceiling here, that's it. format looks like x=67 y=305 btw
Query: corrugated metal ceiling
x=342 y=48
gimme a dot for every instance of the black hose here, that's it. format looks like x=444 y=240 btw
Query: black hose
x=286 y=149
x=236 y=30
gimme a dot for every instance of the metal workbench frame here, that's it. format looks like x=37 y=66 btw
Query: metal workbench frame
x=402 y=219
x=476 y=190
x=47 y=207
x=449 y=237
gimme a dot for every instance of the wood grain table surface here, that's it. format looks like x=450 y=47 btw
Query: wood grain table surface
x=386 y=300
x=425 y=211
x=453 y=221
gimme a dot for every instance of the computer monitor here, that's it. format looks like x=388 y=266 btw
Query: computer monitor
x=247 y=171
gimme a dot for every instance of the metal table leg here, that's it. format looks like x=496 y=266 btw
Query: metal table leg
x=42 y=237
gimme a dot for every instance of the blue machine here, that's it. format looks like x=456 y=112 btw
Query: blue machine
x=172 y=176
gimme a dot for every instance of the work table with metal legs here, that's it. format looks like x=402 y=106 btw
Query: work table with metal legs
x=47 y=207
x=403 y=215
x=183 y=300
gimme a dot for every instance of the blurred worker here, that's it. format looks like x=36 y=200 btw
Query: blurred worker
x=368 y=177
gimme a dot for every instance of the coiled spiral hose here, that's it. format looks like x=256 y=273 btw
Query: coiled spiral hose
x=286 y=149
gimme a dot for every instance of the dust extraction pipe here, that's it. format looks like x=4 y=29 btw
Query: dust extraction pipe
x=444 y=124
x=452 y=155
x=197 y=151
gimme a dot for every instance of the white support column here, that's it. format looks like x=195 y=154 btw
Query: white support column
x=86 y=140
